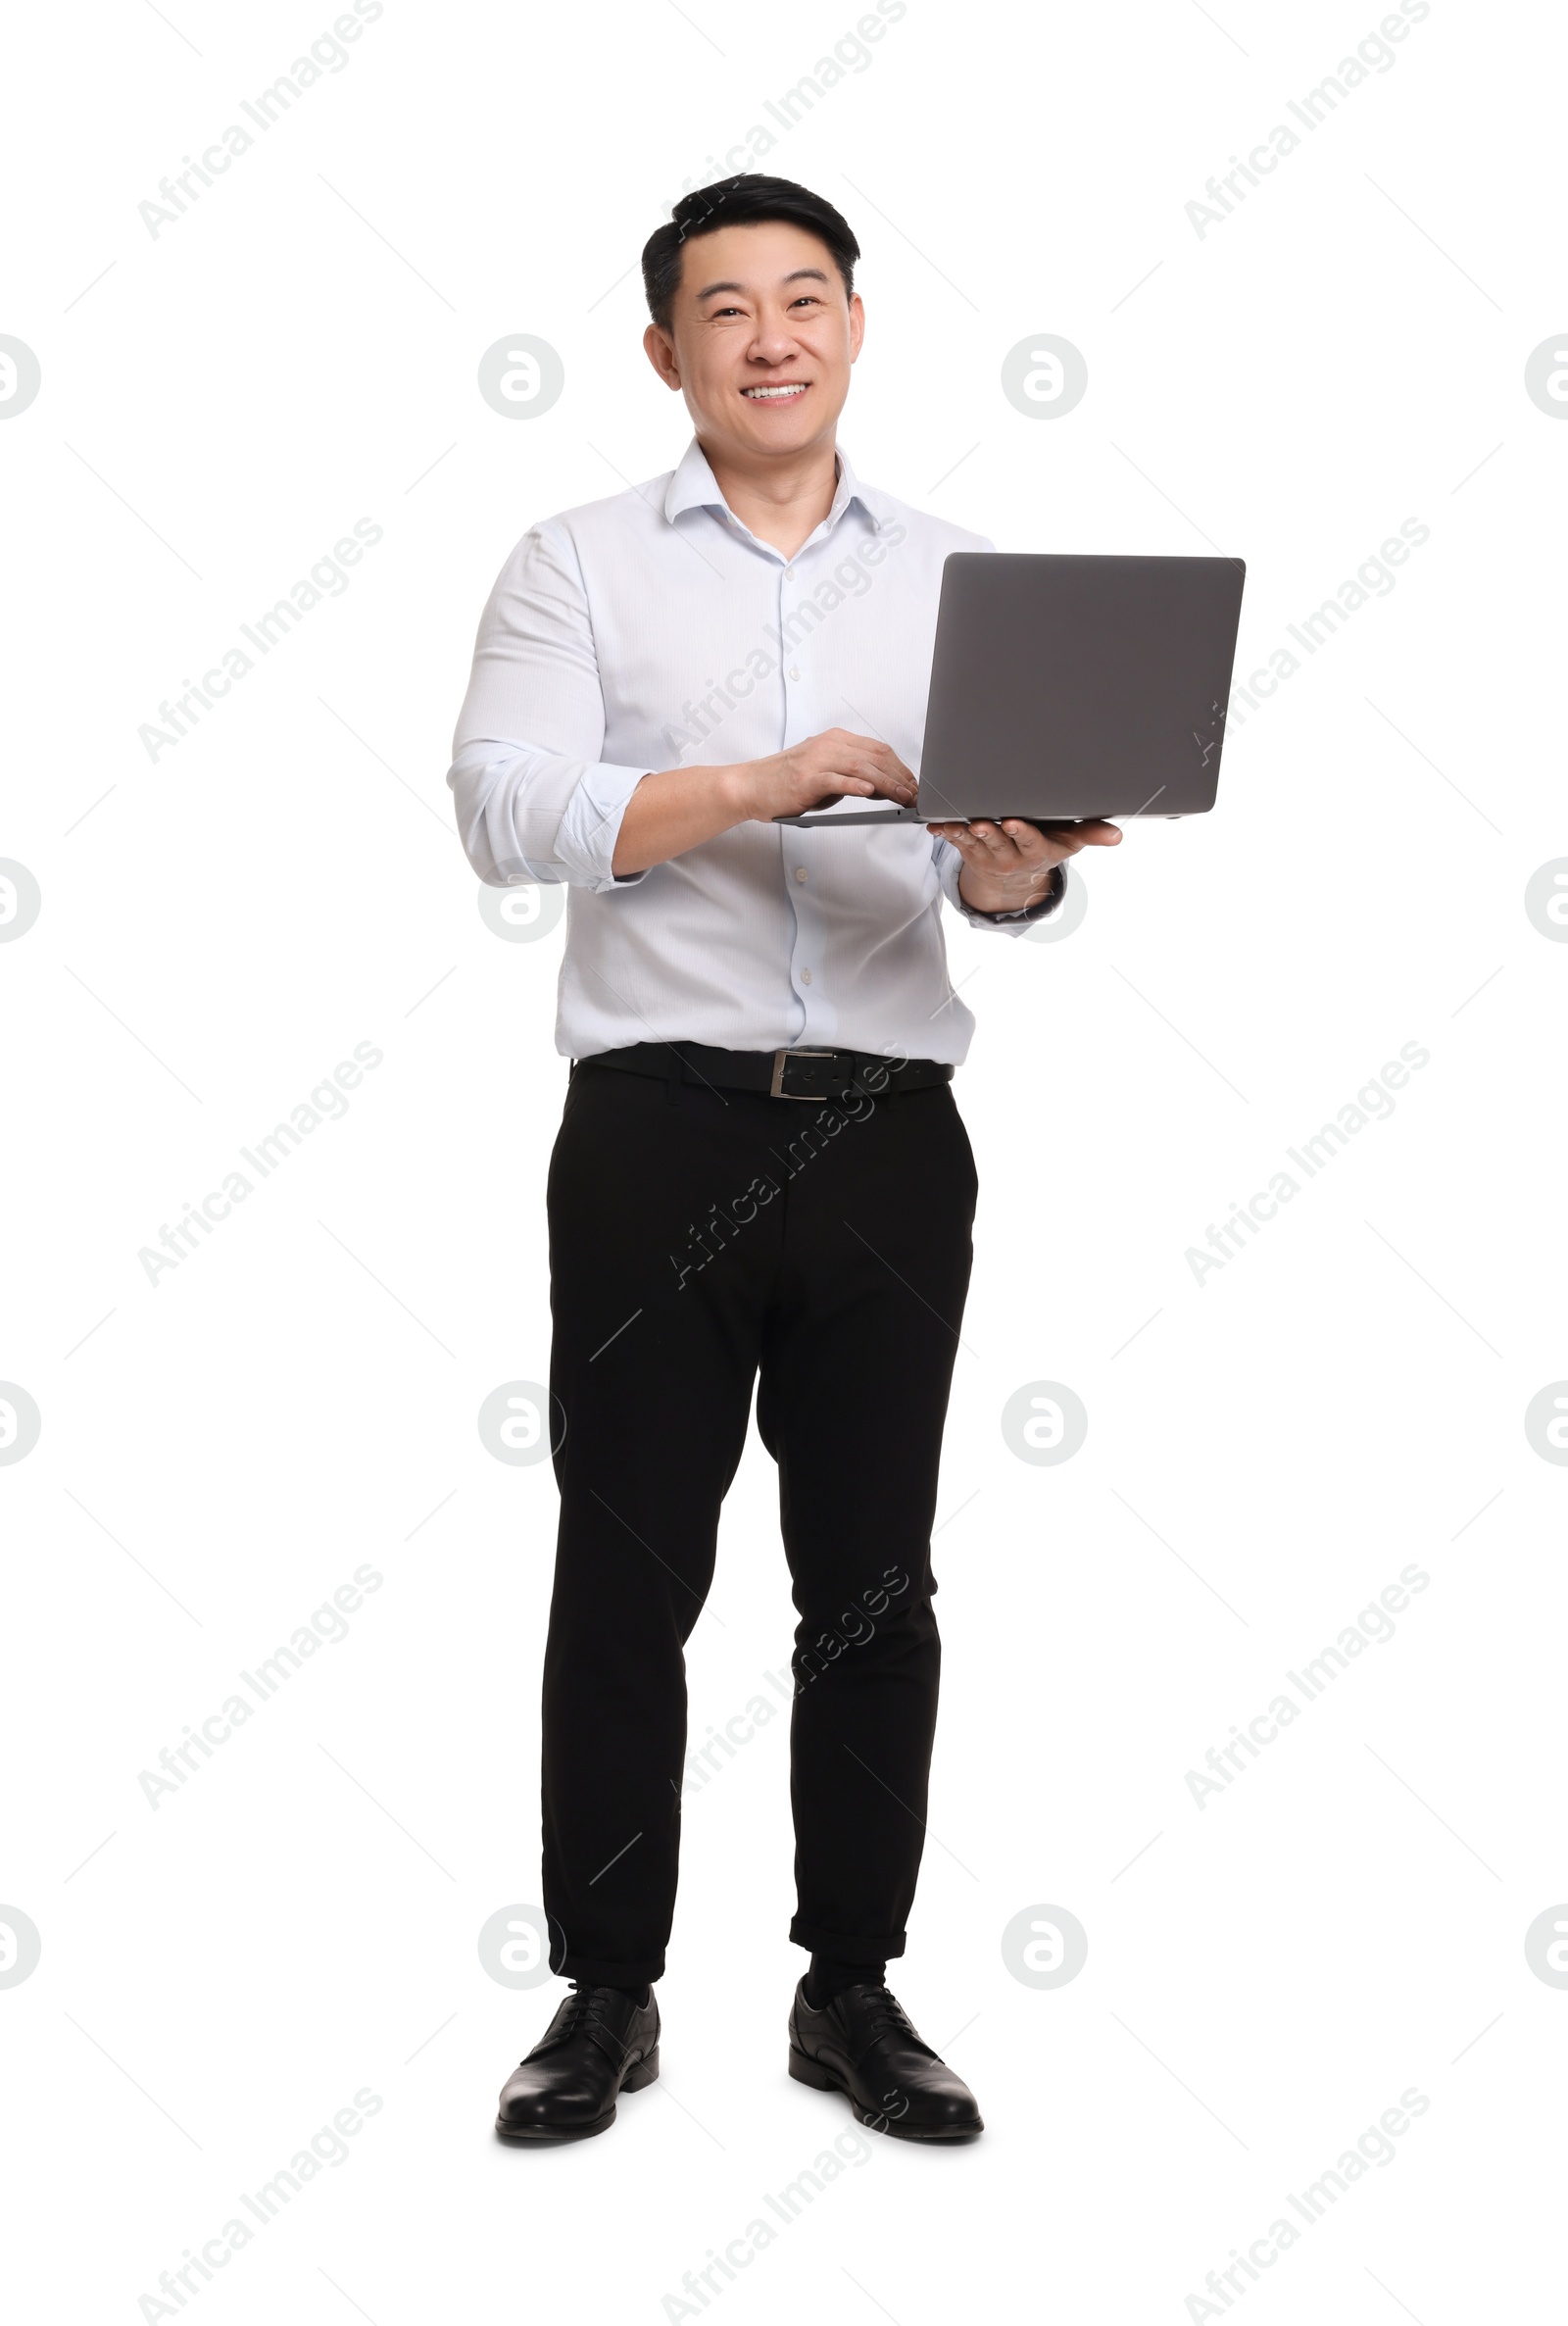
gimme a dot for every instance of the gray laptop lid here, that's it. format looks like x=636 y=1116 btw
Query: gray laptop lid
x=1079 y=686
x=1070 y=687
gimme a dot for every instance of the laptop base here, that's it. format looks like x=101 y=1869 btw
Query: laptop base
x=816 y=818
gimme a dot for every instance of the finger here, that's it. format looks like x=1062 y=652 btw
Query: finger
x=1083 y=835
x=891 y=776
x=888 y=757
x=852 y=771
x=891 y=781
x=993 y=840
x=867 y=752
x=879 y=760
x=843 y=756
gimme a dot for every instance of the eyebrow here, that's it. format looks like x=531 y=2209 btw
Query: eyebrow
x=800 y=274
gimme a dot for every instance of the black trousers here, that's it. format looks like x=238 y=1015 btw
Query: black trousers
x=701 y=1242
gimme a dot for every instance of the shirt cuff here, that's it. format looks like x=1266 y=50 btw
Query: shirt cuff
x=1012 y=924
x=590 y=826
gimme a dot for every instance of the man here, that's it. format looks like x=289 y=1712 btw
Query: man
x=657 y=677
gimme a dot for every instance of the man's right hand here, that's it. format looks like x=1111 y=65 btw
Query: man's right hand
x=683 y=807
x=833 y=765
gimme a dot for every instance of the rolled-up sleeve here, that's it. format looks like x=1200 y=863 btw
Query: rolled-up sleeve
x=534 y=800
x=950 y=864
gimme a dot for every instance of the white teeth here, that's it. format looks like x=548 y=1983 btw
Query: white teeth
x=773 y=393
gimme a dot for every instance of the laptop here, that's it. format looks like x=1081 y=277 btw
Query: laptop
x=1069 y=689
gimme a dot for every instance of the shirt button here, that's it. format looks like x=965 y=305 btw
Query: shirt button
x=794 y=670
x=800 y=871
x=806 y=976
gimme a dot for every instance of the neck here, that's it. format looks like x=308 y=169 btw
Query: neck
x=782 y=501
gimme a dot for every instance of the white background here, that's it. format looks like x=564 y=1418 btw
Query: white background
x=1267 y=1974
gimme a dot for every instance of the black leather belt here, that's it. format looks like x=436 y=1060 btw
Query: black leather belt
x=780 y=1073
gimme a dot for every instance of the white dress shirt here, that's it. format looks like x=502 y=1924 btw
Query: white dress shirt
x=654 y=631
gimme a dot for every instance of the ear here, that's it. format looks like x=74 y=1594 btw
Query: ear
x=856 y=326
x=659 y=348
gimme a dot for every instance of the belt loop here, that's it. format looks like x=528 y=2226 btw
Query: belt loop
x=675 y=1077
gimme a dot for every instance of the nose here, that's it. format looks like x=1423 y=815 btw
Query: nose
x=773 y=343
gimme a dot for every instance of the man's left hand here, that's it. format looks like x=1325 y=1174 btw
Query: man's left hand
x=1007 y=866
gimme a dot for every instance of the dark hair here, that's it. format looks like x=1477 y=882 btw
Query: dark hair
x=744 y=201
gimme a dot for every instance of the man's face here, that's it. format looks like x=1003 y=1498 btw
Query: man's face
x=760 y=310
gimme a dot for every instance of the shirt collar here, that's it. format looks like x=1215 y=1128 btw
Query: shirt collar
x=693 y=485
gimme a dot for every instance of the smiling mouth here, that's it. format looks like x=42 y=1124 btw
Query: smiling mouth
x=784 y=393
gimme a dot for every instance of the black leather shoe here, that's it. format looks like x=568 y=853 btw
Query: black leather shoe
x=862 y=2044
x=598 y=2045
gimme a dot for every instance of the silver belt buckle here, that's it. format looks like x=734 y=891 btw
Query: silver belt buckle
x=781 y=1059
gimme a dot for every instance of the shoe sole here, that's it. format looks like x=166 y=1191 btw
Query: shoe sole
x=806 y=2070
x=645 y=2073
